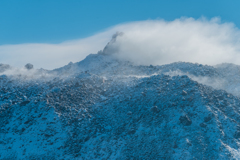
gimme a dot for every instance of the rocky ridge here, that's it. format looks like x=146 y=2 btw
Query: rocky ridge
x=106 y=108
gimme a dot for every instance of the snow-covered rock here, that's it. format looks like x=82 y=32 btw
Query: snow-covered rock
x=106 y=108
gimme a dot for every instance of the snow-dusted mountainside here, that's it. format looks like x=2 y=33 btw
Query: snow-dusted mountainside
x=106 y=108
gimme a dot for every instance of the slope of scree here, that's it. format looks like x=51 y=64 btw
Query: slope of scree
x=105 y=108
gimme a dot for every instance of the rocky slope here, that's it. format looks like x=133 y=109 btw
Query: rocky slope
x=106 y=108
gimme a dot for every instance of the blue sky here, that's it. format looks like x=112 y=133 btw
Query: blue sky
x=55 y=21
x=51 y=33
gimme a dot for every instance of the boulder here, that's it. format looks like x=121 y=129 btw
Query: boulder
x=28 y=66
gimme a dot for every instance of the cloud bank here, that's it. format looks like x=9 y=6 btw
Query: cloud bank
x=50 y=56
x=146 y=42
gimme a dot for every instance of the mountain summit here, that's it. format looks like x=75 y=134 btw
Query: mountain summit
x=106 y=108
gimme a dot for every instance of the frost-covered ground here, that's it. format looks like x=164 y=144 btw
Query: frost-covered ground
x=106 y=108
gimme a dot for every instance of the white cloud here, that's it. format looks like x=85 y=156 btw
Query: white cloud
x=161 y=42
x=145 y=42
x=50 y=56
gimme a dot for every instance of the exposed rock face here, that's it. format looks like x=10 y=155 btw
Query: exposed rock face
x=137 y=112
x=111 y=48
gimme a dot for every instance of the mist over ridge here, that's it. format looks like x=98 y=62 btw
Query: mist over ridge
x=147 y=42
x=160 y=42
